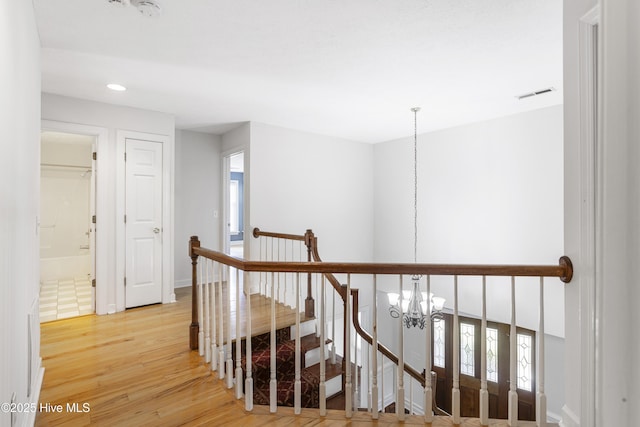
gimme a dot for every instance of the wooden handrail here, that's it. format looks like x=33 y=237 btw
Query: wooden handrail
x=564 y=269
x=418 y=376
x=381 y=347
x=258 y=233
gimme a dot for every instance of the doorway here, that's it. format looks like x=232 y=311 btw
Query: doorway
x=67 y=230
x=143 y=222
x=234 y=204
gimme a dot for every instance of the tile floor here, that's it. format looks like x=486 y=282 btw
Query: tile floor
x=65 y=298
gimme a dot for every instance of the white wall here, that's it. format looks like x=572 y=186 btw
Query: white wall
x=633 y=87
x=19 y=200
x=489 y=193
x=110 y=287
x=197 y=197
x=618 y=352
x=304 y=180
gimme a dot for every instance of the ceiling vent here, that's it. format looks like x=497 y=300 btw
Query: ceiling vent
x=538 y=92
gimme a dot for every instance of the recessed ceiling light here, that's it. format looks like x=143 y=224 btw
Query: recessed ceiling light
x=116 y=87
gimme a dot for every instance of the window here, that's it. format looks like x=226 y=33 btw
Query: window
x=467 y=349
x=438 y=343
x=492 y=355
x=524 y=362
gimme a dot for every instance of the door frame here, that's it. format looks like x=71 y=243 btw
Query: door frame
x=591 y=187
x=101 y=249
x=168 y=294
x=226 y=181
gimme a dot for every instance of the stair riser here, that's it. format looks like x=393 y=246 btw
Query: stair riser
x=306 y=328
x=312 y=356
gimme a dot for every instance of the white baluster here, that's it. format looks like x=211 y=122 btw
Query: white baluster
x=513 y=356
x=348 y=389
x=238 y=340
x=484 y=393
x=221 y=368
x=285 y=292
x=400 y=370
x=297 y=385
x=272 y=275
x=278 y=294
x=357 y=378
x=410 y=396
x=206 y=325
x=374 y=353
x=229 y=367
x=382 y=382
x=428 y=390
x=200 y=311
x=455 y=393
x=273 y=384
x=316 y=304
x=214 y=347
x=262 y=257
x=248 y=382
x=323 y=362
x=333 y=327
x=366 y=361
x=541 y=403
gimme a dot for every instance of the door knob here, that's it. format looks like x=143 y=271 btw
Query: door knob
x=156 y=230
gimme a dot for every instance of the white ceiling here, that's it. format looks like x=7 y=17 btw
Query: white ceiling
x=345 y=68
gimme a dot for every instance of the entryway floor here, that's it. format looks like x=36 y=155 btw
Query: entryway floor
x=61 y=299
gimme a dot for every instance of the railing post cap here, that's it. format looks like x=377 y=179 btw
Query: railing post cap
x=194 y=242
x=565 y=262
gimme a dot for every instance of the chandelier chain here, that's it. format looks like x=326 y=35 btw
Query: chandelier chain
x=415 y=184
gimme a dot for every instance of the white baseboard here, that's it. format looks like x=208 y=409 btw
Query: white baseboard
x=182 y=283
x=569 y=419
x=552 y=417
x=28 y=419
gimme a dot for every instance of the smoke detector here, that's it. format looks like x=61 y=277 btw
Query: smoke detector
x=150 y=8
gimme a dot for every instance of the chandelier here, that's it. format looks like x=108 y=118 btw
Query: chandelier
x=413 y=305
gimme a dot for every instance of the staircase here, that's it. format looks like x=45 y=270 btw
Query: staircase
x=285 y=367
x=295 y=381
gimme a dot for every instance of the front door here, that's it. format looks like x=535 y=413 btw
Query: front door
x=143 y=222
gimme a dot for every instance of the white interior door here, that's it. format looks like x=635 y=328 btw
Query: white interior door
x=143 y=223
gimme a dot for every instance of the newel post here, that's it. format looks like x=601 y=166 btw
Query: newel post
x=194 y=242
x=309 y=303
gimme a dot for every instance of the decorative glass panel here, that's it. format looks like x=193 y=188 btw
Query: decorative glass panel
x=438 y=343
x=467 y=359
x=524 y=362
x=492 y=355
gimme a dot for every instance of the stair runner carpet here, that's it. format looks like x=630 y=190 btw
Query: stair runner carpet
x=285 y=371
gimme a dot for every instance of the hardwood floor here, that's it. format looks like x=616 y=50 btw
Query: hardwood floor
x=135 y=368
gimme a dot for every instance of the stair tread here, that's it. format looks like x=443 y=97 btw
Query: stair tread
x=310 y=342
x=331 y=371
